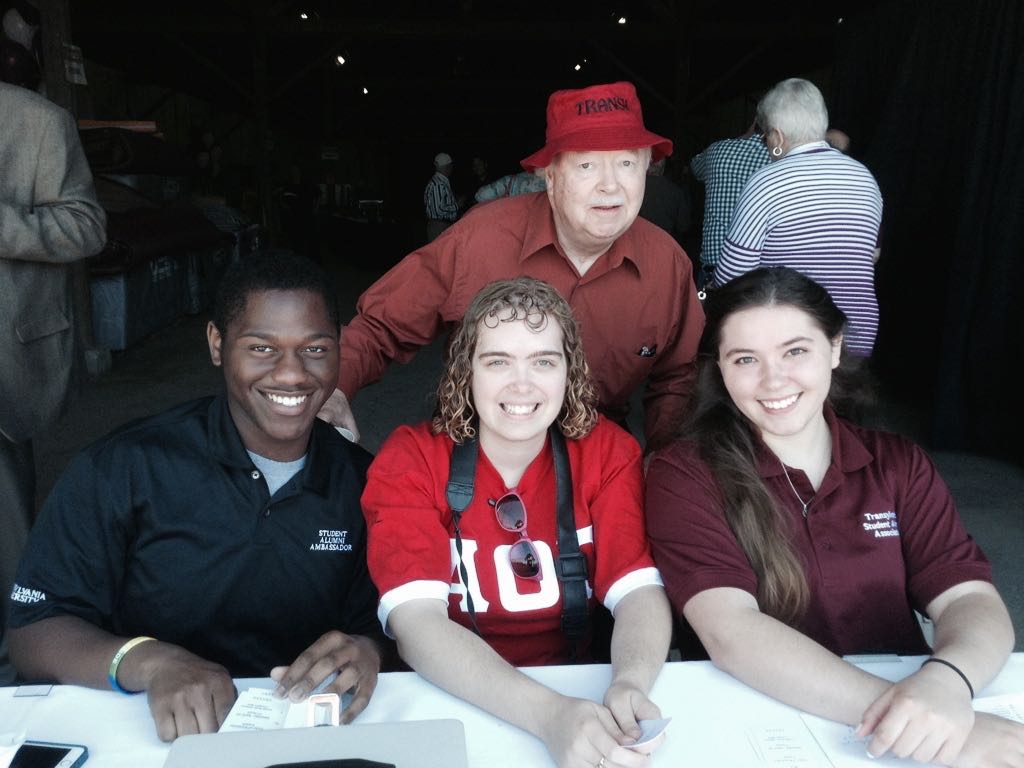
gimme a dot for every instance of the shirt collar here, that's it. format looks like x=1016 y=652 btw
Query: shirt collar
x=849 y=453
x=226 y=447
x=222 y=436
x=811 y=146
x=541 y=233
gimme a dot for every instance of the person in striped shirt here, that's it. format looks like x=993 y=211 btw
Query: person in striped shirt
x=813 y=209
x=438 y=199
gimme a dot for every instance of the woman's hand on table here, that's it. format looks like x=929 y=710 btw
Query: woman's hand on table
x=581 y=733
x=628 y=706
x=355 y=659
x=994 y=742
x=927 y=717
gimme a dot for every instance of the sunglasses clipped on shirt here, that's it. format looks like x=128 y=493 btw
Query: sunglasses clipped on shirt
x=510 y=510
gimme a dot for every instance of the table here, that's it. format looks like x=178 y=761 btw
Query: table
x=712 y=715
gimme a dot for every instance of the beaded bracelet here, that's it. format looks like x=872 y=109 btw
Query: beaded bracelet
x=955 y=668
x=116 y=662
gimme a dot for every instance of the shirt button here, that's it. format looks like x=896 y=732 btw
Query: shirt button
x=266 y=512
x=255 y=474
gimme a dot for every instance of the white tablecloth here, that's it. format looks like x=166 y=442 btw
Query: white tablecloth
x=712 y=715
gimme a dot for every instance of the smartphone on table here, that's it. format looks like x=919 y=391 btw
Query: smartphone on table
x=44 y=754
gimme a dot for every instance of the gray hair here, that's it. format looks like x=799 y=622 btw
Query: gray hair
x=795 y=107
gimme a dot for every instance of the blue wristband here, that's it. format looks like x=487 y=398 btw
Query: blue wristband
x=116 y=662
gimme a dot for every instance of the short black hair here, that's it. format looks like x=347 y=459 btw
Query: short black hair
x=271 y=271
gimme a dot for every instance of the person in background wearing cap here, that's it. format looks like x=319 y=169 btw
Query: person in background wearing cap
x=438 y=198
x=628 y=282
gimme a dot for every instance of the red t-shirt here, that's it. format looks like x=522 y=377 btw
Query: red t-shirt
x=881 y=537
x=411 y=546
x=645 y=277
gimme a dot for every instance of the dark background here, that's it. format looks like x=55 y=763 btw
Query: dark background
x=932 y=94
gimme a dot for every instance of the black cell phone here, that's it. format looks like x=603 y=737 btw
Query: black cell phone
x=43 y=754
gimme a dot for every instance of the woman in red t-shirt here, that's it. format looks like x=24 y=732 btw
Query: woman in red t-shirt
x=470 y=595
x=788 y=537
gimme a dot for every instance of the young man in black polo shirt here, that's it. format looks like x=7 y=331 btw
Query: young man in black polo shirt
x=228 y=529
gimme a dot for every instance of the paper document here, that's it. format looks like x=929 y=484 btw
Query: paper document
x=787 y=744
x=257 y=709
x=1010 y=706
x=842 y=748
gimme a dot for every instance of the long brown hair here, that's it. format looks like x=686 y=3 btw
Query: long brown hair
x=536 y=303
x=728 y=442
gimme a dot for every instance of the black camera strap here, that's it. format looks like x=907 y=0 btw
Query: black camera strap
x=459 y=491
x=571 y=567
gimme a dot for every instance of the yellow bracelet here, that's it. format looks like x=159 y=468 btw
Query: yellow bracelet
x=116 y=662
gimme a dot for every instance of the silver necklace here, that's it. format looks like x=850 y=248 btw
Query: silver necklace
x=803 y=504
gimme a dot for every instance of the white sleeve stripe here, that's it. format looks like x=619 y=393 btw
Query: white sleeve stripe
x=412 y=590
x=633 y=580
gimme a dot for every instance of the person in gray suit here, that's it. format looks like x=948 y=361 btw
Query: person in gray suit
x=49 y=217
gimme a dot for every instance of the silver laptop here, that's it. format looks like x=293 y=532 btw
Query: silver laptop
x=412 y=744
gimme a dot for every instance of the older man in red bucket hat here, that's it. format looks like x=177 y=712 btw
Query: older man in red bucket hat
x=629 y=284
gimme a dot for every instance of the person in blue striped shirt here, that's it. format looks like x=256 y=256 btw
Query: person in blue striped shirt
x=813 y=209
x=438 y=199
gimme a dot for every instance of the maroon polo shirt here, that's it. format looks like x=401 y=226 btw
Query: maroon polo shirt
x=881 y=537
x=636 y=306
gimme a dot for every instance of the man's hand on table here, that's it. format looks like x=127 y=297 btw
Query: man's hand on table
x=187 y=694
x=337 y=412
x=355 y=658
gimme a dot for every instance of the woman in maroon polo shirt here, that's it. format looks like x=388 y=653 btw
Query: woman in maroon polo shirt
x=788 y=537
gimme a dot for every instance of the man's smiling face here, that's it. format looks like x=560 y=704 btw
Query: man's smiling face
x=280 y=362
x=596 y=196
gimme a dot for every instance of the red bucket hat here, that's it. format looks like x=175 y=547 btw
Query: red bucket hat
x=601 y=117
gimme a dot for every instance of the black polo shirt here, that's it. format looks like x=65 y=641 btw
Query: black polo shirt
x=166 y=528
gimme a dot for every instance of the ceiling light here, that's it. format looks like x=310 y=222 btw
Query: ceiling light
x=304 y=16
x=577 y=67
x=622 y=19
x=365 y=91
x=340 y=59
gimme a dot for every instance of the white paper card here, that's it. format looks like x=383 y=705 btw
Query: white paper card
x=650 y=730
x=787 y=745
x=257 y=709
x=840 y=743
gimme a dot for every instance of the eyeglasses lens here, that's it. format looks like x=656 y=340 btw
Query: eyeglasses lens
x=511 y=513
x=524 y=559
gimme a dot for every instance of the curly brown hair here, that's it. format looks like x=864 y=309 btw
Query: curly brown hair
x=534 y=302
